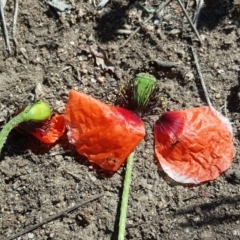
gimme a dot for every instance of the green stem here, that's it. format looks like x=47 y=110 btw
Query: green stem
x=8 y=127
x=125 y=196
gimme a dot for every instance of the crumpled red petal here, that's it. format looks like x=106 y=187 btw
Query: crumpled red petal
x=194 y=145
x=105 y=134
x=48 y=131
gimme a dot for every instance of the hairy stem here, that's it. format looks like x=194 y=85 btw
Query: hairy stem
x=8 y=127
x=125 y=196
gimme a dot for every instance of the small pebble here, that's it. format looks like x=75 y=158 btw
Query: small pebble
x=218 y=95
x=23 y=50
x=52 y=235
x=174 y=32
x=215 y=65
x=189 y=76
x=100 y=79
x=59 y=158
x=230 y=38
x=206 y=235
x=220 y=71
x=236 y=233
x=238 y=31
x=84 y=71
x=198 y=210
x=167 y=16
x=22 y=163
x=30 y=235
x=21 y=219
x=93 y=80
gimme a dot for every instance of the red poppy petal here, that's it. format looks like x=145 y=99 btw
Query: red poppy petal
x=105 y=134
x=51 y=130
x=195 y=145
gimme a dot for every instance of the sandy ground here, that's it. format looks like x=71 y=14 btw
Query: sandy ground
x=39 y=180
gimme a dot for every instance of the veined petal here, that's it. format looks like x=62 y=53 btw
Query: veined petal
x=194 y=145
x=105 y=134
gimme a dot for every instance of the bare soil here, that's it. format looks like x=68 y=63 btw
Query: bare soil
x=39 y=180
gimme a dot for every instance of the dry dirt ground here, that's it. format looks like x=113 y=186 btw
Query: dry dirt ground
x=39 y=180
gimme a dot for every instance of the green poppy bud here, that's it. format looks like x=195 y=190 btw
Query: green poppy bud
x=144 y=85
x=39 y=111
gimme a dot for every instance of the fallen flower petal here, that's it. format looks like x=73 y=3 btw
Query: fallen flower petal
x=48 y=131
x=194 y=145
x=105 y=134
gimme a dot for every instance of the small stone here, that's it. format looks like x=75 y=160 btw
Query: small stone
x=167 y=16
x=84 y=71
x=56 y=200
x=84 y=217
x=238 y=31
x=47 y=232
x=164 y=229
x=22 y=163
x=236 y=233
x=229 y=39
x=174 y=32
x=218 y=96
x=215 y=65
x=39 y=90
x=232 y=176
x=59 y=157
x=189 y=76
x=100 y=79
x=206 y=235
x=23 y=50
x=52 y=235
x=21 y=219
x=198 y=210
x=220 y=71
x=93 y=80
x=30 y=235
x=150 y=27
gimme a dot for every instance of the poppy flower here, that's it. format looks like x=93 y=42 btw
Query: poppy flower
x=194 y=145
x=48 y=131
x=105 y=134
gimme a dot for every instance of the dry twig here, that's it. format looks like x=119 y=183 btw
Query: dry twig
x=201 y=78
x=197 y=13
x=15 y=25
x=165 y=64
x=47 y=220
x=4 y=26
x=190 y=21
x=123 y=31
x=102 y=4
x=163 y=5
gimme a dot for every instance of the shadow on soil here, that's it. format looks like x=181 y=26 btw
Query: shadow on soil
x=213 y=213
x=234 y=97
x=115 y=19
x=213 y=14
x=210 y=17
